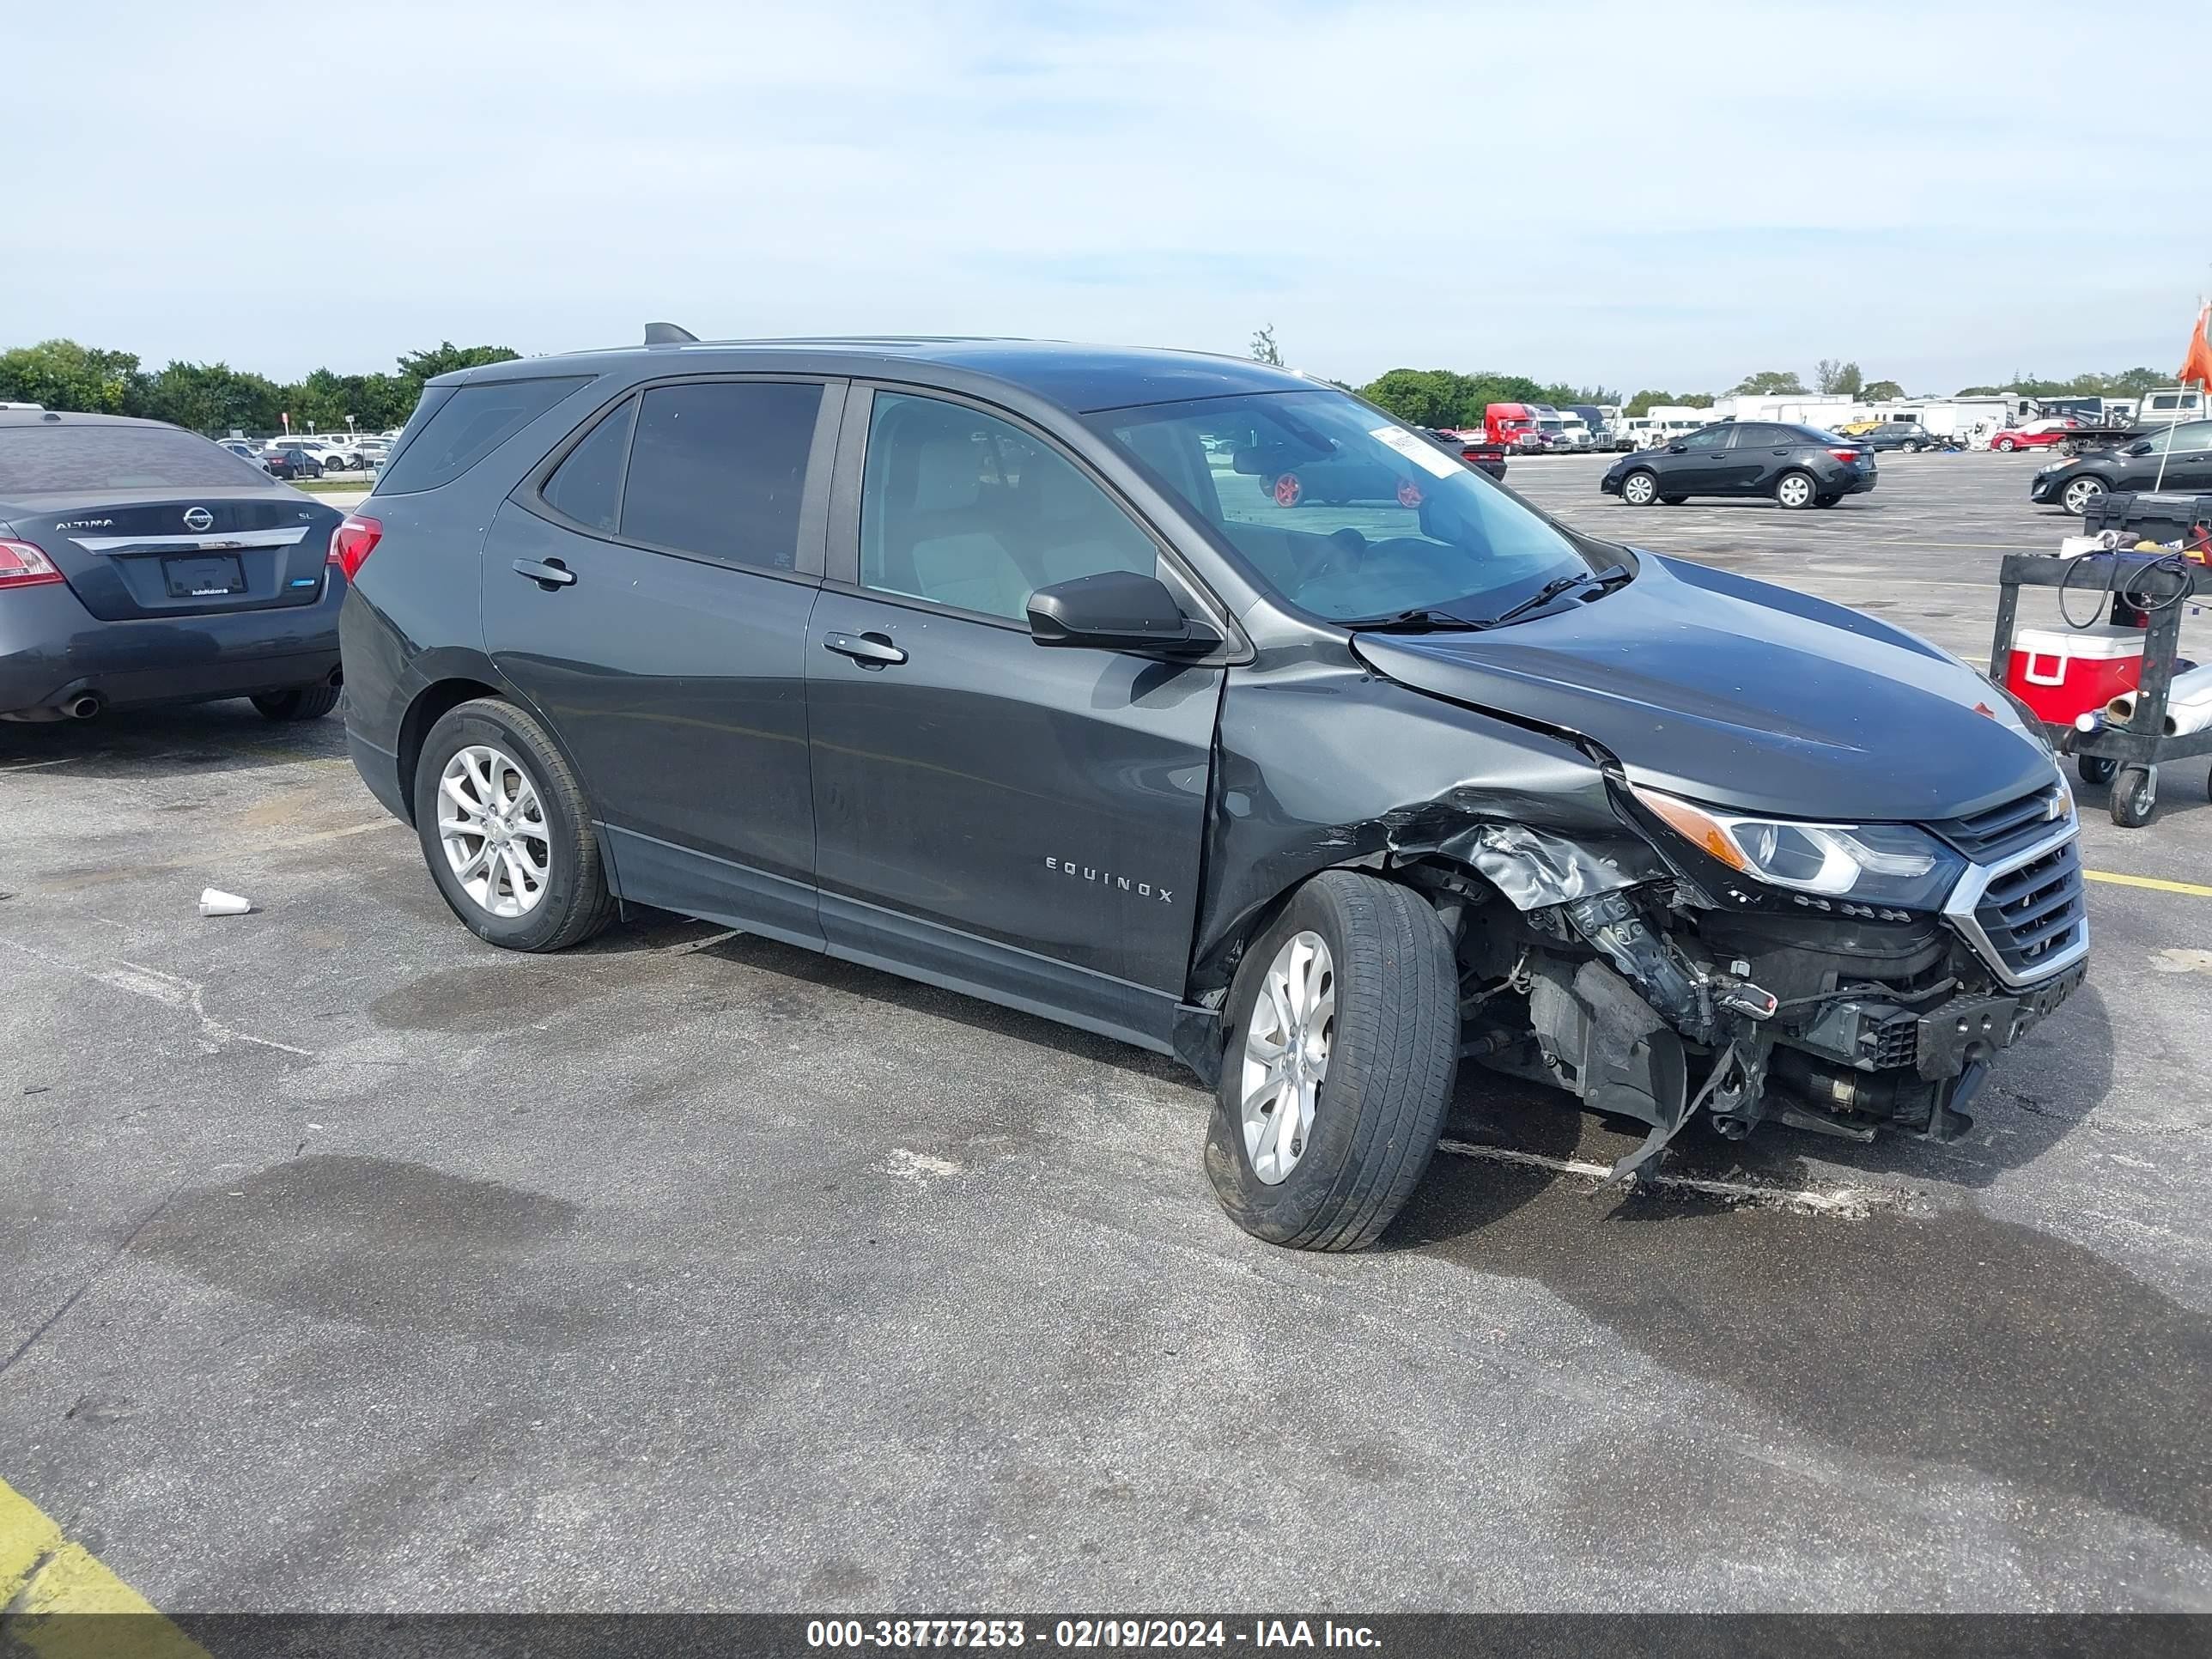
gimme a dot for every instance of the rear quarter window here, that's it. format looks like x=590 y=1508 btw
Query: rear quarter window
x=63 y=457
x=467 y=426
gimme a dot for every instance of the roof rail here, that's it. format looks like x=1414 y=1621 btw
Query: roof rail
x=669 y=334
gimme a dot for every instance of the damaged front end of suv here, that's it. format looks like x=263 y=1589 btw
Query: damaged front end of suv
x=1596 y=814
x=1836 y=978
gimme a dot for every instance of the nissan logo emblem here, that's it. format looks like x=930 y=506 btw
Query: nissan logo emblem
x=198 y=518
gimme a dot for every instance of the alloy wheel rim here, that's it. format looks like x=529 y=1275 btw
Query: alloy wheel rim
x=2082 y=492
x=1795 y=492
x=492 y=827
x=1286 y=1047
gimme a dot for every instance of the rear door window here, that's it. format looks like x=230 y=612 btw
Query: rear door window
x=586 y=487
x=66 y=456
x=468 y=426
x=719 y=469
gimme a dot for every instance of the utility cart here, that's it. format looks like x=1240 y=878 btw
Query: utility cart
x=2158 y=585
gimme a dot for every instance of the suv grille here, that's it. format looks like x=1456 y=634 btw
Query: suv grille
x=2032 y=913
x=1992 y=835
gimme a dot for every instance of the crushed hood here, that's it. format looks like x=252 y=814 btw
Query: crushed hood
x=1742 y=695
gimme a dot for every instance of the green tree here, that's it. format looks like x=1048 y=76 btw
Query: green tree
x=1420 y=397
x=1829 y=376
x=445 y=357
x=1881 y=392
x=210 y=398
x=1263 y=346
x=1644 y=401
x=1769 y=383
x=63 y=374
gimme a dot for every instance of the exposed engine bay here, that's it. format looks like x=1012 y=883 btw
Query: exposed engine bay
x=1661 y=1000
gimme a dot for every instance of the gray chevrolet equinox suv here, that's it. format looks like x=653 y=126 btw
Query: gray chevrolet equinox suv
x=998 y=664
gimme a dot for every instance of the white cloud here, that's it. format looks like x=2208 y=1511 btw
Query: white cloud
x=1640 y=194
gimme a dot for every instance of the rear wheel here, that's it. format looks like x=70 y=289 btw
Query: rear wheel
x=301 y=702
x=506 y=831
x=1343 y=1045
x=1640 y=488
x=2082 y=494
x=1912 y=448
x=1795 y=490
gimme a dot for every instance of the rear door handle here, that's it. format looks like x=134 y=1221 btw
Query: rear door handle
x=549 y=575
x=869 y=650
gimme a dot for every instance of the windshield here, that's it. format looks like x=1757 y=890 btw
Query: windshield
x=1341 y=511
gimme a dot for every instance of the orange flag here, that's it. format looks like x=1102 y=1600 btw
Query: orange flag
x=2197 y=365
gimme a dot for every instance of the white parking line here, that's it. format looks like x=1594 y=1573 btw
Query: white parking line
x=1852 y=1203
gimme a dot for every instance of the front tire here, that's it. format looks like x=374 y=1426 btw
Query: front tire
x=1795 y=491
x=506 y=831
x=1343 y=1045
x=2004 y=445
x=2080 y=495
x=1288 y=490
x=301 y=702
x=1640 y=488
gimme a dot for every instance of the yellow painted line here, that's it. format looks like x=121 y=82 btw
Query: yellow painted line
x=47 y=1580
x=2195 y=890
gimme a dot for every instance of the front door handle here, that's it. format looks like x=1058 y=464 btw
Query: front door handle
x=549 y=575
x=869 y=650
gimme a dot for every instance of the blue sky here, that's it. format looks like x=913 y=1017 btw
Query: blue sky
x=1670 y=193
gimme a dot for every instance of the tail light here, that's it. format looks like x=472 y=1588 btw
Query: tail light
x=22 y=565
x=1847 y=455
x=353 y=541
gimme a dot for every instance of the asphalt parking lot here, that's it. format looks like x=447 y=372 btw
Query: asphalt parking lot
x=354 y=1264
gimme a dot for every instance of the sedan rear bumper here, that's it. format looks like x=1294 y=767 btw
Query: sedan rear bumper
x=53 y=652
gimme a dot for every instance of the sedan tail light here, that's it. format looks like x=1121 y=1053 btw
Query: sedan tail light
x=353 y=541
x=1848 y=455
x=22 y=565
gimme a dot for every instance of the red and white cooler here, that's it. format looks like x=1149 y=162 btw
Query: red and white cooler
x=2064 y=672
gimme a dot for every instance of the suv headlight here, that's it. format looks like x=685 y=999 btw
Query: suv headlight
x=1885 y=864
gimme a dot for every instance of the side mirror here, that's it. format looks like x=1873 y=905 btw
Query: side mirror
x=1118 y=611
x=1678 y=449
x=2140 y=447
x=1246 y=461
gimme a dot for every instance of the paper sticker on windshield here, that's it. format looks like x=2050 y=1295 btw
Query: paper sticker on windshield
x=1421 y=453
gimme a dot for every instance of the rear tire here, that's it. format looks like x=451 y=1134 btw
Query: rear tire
x=1795 y=491
x=301 y=702
x=1912 y=449
x=1389 y=1056
x=574 y=902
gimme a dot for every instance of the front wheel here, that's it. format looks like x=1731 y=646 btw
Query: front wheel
x=1795 y=490
x=2004 y=445
x=301 y=702
x=1288 y=490
x=1640 y=488
x=1343 y=1044
x=506 y=831
x=2080 y=495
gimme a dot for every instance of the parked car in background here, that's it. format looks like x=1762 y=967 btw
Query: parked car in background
x=239 y=447
x=291 y=462
x=374 y=452
x=140 y=563
x=964 y=659
x=1798 y=466
x=1472 y=447
x=1907 y=435
x=2186 y=451
x=2036 y=434
x=327 y=454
